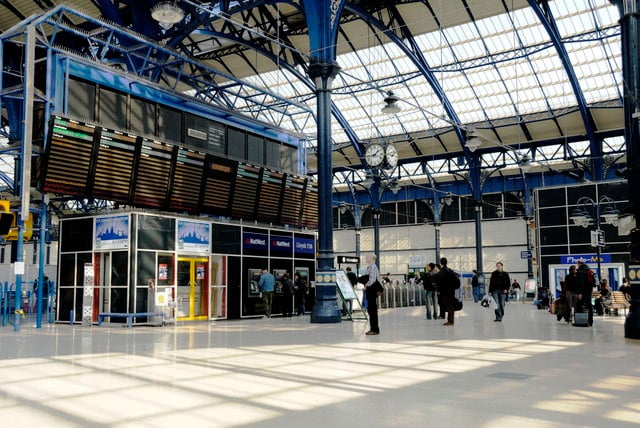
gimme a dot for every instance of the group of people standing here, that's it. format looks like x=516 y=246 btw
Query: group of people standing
x=440 y=283
x=296 y=288
x=577 y=288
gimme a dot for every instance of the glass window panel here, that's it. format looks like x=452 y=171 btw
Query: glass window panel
x=553 y=236
x=119 y=268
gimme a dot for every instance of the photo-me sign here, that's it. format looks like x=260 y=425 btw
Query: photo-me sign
x=587 y=258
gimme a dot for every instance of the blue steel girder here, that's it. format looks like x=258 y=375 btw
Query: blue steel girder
x=353 y=138
x=175 y=70
x=542 y=10
x=415 y=55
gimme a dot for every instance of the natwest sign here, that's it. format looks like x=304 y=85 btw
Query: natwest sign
x=282 y=245
x=254 y=241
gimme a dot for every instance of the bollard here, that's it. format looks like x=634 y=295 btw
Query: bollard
x=71 y=315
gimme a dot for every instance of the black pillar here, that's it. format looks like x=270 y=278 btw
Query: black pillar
x=630 y=37
x=325 y=310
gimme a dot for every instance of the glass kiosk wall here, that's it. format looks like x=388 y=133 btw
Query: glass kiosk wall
x=207 y=270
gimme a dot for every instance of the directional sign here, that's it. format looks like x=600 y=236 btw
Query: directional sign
x=348 y=259
x=597 y=238
x=526 y=254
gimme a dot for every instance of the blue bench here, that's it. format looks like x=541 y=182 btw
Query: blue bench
x=128 y=316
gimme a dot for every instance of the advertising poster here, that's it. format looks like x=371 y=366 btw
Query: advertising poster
x=112 y=232
x=194 y=236
x=163 y=272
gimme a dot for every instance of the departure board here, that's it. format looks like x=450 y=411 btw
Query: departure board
x=245 y=190
x=270 y=195
x=86 y=160
x=187 y=180
x=219 y=175
x=68 y=161
x=152 y=179
x=309 y=216
x=114 y=165
x=292 y=200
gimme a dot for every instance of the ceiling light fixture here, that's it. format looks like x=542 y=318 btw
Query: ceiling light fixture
x=473 y=141
x=525 y=164
x=391 y=104
x=167 y=13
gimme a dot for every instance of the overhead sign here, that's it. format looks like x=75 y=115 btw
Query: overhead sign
x=348 y=259
x=255 y=241
x=597 y=238
x=587 y=258
x=304 y=245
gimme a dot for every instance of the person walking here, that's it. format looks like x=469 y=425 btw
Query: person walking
x=448 y=282
x=499 y=284
x=515 y=290
x=373 y=275
x=585 y=282
x=300 y=290
x=475 y=287
x=266 y=284
x=287 y=295
x=570 y=293
x=429 y=284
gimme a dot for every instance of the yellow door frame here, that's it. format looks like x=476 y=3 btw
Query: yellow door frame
x=193 y=260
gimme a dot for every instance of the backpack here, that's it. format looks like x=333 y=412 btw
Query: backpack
x=427 y=282
x=452 y=279
x=590 y=278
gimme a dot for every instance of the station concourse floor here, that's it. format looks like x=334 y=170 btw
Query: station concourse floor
x=528 y=371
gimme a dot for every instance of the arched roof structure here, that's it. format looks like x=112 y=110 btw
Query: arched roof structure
x=536 y=79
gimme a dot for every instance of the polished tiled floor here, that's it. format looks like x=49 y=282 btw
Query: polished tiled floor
x=528 y=371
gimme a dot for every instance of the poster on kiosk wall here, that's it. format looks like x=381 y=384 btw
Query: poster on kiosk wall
x=112 y=232
x=194 y=236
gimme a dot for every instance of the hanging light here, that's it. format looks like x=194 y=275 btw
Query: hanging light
x=391 y=104
x=167 y=13
x=473 y=141
x=525 y=164
x=580 y=217
x=610 y=215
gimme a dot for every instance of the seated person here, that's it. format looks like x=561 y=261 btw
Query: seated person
x=603 y=303
x=625 y=288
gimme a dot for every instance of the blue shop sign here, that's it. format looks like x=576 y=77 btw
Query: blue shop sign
x=281 y=245
x=587 y=258
x=305 y=245
x=255 y=241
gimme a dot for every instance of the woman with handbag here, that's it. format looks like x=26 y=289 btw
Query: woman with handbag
x=373 y=286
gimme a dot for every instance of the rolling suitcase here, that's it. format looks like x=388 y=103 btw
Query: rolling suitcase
x=581 y=315
x=581 y=319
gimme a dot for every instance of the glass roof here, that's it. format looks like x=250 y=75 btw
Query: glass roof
x=494 y=68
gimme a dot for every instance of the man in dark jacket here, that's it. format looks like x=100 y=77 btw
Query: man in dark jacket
x=585 y=286
x=429 y=284
x=570 y=292
x=448 y=282
x=499 y=284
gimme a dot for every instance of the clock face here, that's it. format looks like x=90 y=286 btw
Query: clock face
x=392 y=156
x=374 y=155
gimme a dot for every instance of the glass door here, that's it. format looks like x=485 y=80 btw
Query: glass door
x=193 y=288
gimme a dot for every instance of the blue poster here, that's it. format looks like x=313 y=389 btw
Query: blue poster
x=305 y=245
x=281 y=245
x=255 y=241
x=194 y=236
x=112 y=232
x=590 y=259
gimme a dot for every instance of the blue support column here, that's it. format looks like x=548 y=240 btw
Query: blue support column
x=325 y=309
x=630 y=37
x=323 y=20
x=476 y=191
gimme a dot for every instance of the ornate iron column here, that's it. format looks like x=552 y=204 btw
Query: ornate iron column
x=630 y=37
x=323 y=19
